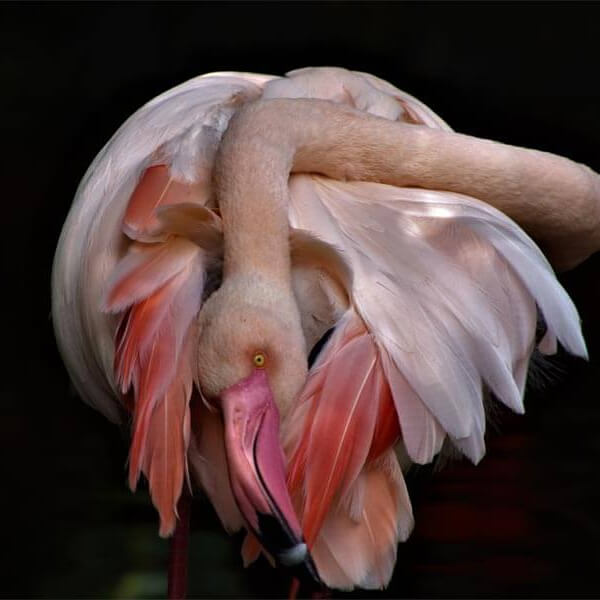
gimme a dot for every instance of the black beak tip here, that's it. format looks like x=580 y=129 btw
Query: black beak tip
x=287 y=549
x=299 y=561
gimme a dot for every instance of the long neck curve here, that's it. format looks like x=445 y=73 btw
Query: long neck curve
x=251 y=177
x=552 y=198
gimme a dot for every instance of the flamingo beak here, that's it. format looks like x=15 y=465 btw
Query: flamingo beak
x=257 y=472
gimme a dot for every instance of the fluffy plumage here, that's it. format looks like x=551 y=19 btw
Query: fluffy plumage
x=433 y=293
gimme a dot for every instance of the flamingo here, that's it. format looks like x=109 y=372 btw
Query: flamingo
x=236 y=221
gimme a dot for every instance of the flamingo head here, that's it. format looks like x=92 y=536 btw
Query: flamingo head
x=252 y=363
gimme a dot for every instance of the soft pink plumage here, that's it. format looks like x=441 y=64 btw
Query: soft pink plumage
x=434 y=294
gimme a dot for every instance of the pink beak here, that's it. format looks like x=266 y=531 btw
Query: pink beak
x=257 y=471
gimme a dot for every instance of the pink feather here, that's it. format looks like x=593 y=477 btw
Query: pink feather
x=158 y=188
x=349 y=423
x=157 y=288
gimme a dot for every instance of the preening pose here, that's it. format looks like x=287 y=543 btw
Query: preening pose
x=234 y=221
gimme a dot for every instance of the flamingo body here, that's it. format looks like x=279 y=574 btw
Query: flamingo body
x=230 y=223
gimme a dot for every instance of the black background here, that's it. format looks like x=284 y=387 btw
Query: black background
x=525 y=522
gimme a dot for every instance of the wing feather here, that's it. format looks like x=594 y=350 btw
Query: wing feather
x=382 y=519
x=180 y=128
x=158 y=293
x=208 y=463
x=349 y=426
x=438 y=291
x=448 y=286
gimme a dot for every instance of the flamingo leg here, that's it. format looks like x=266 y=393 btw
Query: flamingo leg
x=178 y=550
x=320 y=592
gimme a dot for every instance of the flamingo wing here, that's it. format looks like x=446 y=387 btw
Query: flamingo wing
x=434 y=296
x=443 y=304
x=129 y=281
x=180 y=128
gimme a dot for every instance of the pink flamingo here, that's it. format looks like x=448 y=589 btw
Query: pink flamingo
x=233 y=221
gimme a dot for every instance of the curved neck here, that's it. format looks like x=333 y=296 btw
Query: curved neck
x=552 y=198
x=251 y=178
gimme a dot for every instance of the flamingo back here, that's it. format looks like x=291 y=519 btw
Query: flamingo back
x=434 y=297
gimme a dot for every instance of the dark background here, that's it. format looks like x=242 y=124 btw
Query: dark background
x=525 y=522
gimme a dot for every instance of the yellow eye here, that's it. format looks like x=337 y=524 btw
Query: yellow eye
x=259 y=360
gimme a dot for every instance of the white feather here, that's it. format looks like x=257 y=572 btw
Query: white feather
x=447 y=285
x=445 y=329
x=91 y=242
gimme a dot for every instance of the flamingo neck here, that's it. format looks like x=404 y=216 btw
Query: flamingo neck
x=549 y=196
x=251 y=182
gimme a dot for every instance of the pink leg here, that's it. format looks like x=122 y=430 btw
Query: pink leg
x=294 y=587
x=178 y=551
x=320 y=593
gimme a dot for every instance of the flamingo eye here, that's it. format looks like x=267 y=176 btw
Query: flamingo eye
x=259 y=360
